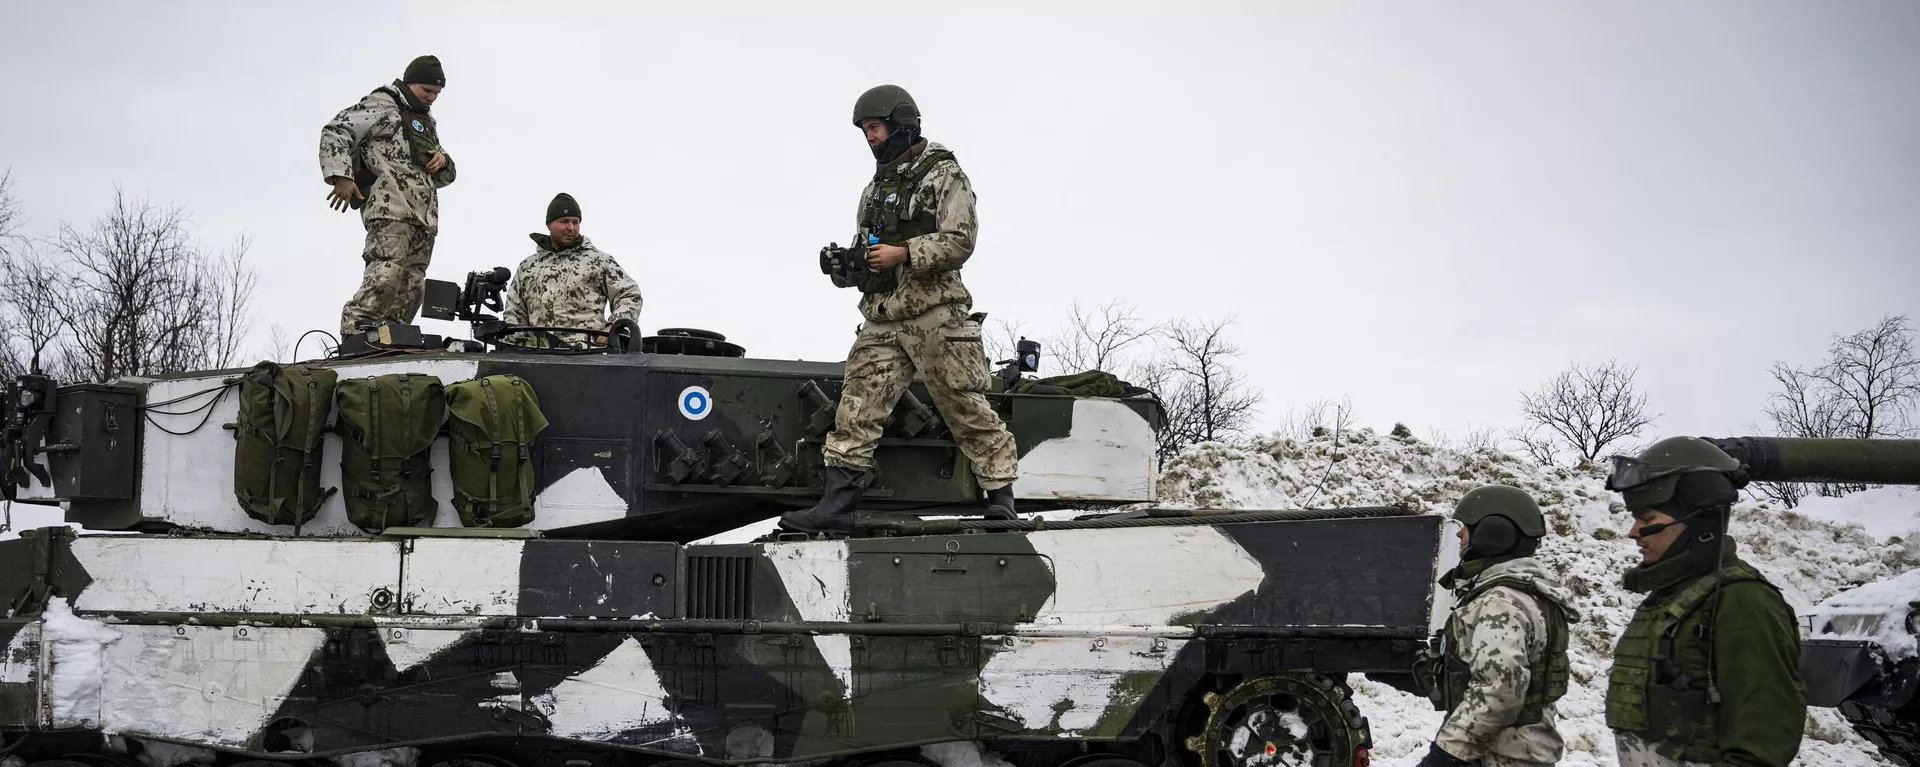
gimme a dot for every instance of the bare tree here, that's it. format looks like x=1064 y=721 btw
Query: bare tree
x=1586 y=409
x=132 y=295
x=10 y=214
x=1003 y=341
x=1470 y=440
x=31 y=289
x=1099 y=339
x=1865 y=389
x=1874 y=378
x=1206 y=399
x=1543 y=449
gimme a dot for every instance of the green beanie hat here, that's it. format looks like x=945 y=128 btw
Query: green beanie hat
x=562 y=206
x=425 y=70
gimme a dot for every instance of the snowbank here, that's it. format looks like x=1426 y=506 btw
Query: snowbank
x=1810 y=559
x=1884 y=512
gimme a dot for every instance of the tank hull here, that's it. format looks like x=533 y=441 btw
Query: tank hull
x=771 y=652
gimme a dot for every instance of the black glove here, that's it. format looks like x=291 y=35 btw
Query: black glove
x=1438 y=757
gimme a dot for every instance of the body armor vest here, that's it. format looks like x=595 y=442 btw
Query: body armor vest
x=1659 y=687
x=884 y=214
x=1546 y=678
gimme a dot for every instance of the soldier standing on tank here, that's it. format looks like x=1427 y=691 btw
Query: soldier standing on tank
x=383 y=157
x=1707 y=672
x=568 y=282
x=919 y=208
x=1502 y=660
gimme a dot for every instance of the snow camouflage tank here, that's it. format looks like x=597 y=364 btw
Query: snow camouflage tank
x=177 y=627
x=1859 y=650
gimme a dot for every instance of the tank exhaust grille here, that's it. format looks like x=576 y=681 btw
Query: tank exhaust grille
x=719 y=588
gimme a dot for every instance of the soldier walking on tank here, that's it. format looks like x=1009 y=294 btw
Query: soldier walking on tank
x=918 y=316
x=383 y=157
x=1502 y=660
x=568 y=282
x=1707 y=672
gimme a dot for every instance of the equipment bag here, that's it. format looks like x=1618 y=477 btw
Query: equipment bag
x=494 y=421
x=276 y=454
x=387 y=426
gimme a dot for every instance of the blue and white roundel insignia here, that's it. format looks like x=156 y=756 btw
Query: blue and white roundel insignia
x=695 y=403
x=417 y=126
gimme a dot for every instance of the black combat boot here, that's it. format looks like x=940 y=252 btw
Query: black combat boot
x=833 y=515
x=1000 y=503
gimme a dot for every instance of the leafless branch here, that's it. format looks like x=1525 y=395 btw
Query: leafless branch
x=1587 y=409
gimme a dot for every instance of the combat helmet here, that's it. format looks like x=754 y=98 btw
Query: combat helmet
x=1654 y=478
x=892 y=104
x=1500 y=519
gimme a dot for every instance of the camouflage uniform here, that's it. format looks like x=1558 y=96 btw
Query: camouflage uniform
x=402 y=209
x=571 y=287
x=1502 y=635
x=925 y=323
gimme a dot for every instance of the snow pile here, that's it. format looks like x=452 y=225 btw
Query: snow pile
x=1884 y=512
x=78 y=663
x=1588 y=550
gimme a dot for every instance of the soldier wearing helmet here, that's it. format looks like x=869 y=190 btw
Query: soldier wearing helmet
x=1707 y=672
x=916 y=219
x=1501 y=662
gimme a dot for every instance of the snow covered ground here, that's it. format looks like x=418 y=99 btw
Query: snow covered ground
x=1811 y=556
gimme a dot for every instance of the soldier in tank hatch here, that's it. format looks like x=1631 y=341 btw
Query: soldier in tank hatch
x=568 y=282
x=1501 y=663
x=1708 y=670
x=382 y=156
x=918 y=215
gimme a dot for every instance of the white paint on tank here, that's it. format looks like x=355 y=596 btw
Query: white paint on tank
x=411 y=647
x=188 y=479
x=77 y=670
x=815 y=576
x=1141 y=576
x=146 y=573
x=202 y=684
x=457 y=576
x=622 y=692
x=1107 y=455
x=581 y=497
x=837 y=651
x=20 y=662
x=1064 y=684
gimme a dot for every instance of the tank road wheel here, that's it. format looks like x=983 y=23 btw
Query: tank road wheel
x=1286 y=720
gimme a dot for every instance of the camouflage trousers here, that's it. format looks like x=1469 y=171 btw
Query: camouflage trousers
x=1635 y=752
x=945 y=346
x=396 y=260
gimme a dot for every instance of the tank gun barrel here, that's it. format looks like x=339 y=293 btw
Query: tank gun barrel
x=1795 y=459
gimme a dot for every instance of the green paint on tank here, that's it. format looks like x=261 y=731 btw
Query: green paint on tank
x=947 y=579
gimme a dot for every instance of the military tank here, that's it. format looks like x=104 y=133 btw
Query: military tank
x=197 y=618
x=1858 y=654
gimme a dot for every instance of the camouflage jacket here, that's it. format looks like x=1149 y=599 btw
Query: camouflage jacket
x=402 y=189
x=1502 y=633
x=931 y=275
x=570 y=287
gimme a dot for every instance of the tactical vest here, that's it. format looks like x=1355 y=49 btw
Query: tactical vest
x=884 y=217
x=1658 y=688
x=1546 y=678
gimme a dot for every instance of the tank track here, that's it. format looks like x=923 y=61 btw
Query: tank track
x=1895 y=733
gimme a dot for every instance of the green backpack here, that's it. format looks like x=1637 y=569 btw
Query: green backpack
x=494 y=420
x=387 y=426
x=276 y=454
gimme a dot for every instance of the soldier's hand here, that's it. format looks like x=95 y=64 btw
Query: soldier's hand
x=344 y=192
x=883 y=257
x=436 y=162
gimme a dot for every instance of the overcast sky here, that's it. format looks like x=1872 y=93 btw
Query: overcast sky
x=1425 y=207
